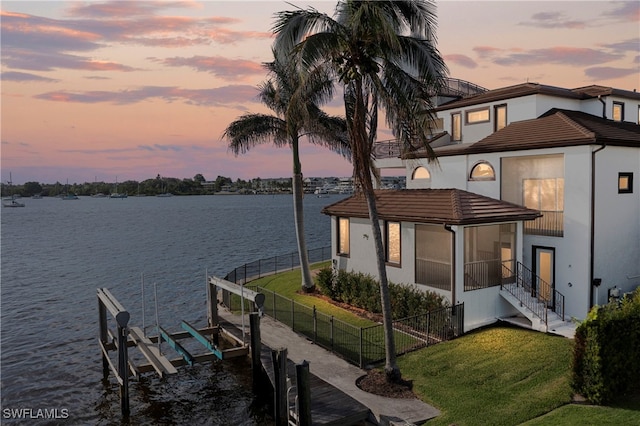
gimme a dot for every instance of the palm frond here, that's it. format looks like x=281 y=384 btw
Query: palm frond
x=251 y=130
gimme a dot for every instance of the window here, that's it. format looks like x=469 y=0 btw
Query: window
x=618 y=111
x=546 y=195
x=343 y=236
x=456 y=127
x=433 y=256
x=482 y=171
x=625 y=183
x=477 y=116
x=488 y=255
x=392 y=236
x=421 y=173
x=536 y=181
x=500 y=113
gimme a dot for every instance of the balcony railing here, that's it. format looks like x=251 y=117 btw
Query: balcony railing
x=485 y=273
x=433 y=274
x=551 y=224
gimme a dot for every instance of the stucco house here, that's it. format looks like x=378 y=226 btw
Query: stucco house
x=531 y=213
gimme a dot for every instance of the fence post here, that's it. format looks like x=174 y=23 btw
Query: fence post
x=212 y=300
x=361 y=347
x=123 y=362
x=293 y=316
x=280 y=370
x=259 y=268
x=275 y=264
x=331 y=332
x=102 y=320
x=428 y=323
x=256 y=349
x=245 y=273
x=304 y=394
x=275 y=315
x=315 y=325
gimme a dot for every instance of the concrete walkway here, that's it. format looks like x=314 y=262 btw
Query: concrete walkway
x=337 y=372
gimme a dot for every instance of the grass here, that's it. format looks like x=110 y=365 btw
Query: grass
x=495 y=376
x=287 y=284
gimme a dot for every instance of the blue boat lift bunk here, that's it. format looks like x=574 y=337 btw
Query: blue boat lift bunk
x=127 y=336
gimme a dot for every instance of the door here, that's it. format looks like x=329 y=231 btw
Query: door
x=544 y=268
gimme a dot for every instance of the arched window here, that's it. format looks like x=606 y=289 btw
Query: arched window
x=421 y=173
x=482 y=171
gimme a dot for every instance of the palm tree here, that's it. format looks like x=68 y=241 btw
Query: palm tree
x=297 y=114
x=383 y=54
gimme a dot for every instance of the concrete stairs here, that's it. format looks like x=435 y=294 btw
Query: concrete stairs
x=531 y=312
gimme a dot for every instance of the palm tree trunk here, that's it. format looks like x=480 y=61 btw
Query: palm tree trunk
x=391 y=367
x=361 y=151
x=298 y=213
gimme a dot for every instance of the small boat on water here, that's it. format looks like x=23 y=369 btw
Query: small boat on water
x=116 y=194
x=12 y=202
x=69 y=196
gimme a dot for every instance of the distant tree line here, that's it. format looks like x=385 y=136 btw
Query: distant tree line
x=197 y=185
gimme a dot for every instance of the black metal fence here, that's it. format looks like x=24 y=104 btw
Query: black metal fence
x=363 y=345
x=359 y=345
x=263 y=267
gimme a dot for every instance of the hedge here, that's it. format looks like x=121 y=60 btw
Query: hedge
x=363 y=291
x=606 y=355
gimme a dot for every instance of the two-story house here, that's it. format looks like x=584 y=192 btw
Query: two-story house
x=531 y=212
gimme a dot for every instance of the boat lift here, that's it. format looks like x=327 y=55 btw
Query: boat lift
x=127 y=336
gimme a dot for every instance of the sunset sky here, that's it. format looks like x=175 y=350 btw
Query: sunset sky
x=106 y=89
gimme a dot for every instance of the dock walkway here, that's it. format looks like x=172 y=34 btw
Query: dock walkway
x=337 y=373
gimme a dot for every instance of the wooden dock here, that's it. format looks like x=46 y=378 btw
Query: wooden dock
x=329 y=405
x=313 y=401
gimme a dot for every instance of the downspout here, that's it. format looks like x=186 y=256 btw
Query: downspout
x=453 y=263
x=593 y=223
x=604 y=106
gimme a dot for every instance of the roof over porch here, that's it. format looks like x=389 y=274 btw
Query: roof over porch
x=440 y=206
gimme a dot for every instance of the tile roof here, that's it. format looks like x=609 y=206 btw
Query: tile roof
x=555 y=128
x=438 y=206
x=526 y=89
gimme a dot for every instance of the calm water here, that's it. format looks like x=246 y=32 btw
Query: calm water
x=56 y=253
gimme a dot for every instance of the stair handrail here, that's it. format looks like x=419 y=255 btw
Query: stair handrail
x=524 y=291
x=536 y=287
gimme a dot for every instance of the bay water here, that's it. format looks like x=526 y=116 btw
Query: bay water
x=56 y=253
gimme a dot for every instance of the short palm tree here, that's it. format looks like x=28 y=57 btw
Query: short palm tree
x=383 y=54
x=297 y=114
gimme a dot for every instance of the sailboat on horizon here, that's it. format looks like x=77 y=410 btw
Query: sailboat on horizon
x=11 y=201
x=117 y=194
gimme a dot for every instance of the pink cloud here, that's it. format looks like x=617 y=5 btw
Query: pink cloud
x=486 y=51
x=558 y=55
x=230 y=96
x=554 y=20
x=626 y=11
x=220 y=66
x=608 y=73
x=110 y=9
x=462 y=60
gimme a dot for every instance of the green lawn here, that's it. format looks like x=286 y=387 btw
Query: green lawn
x=495 y=376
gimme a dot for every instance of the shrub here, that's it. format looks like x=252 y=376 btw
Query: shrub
x=605 y=356
x=363 y=291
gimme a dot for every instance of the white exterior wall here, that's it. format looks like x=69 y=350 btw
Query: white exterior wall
x=617 y=222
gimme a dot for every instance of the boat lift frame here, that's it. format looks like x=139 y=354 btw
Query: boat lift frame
x=127 y=336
